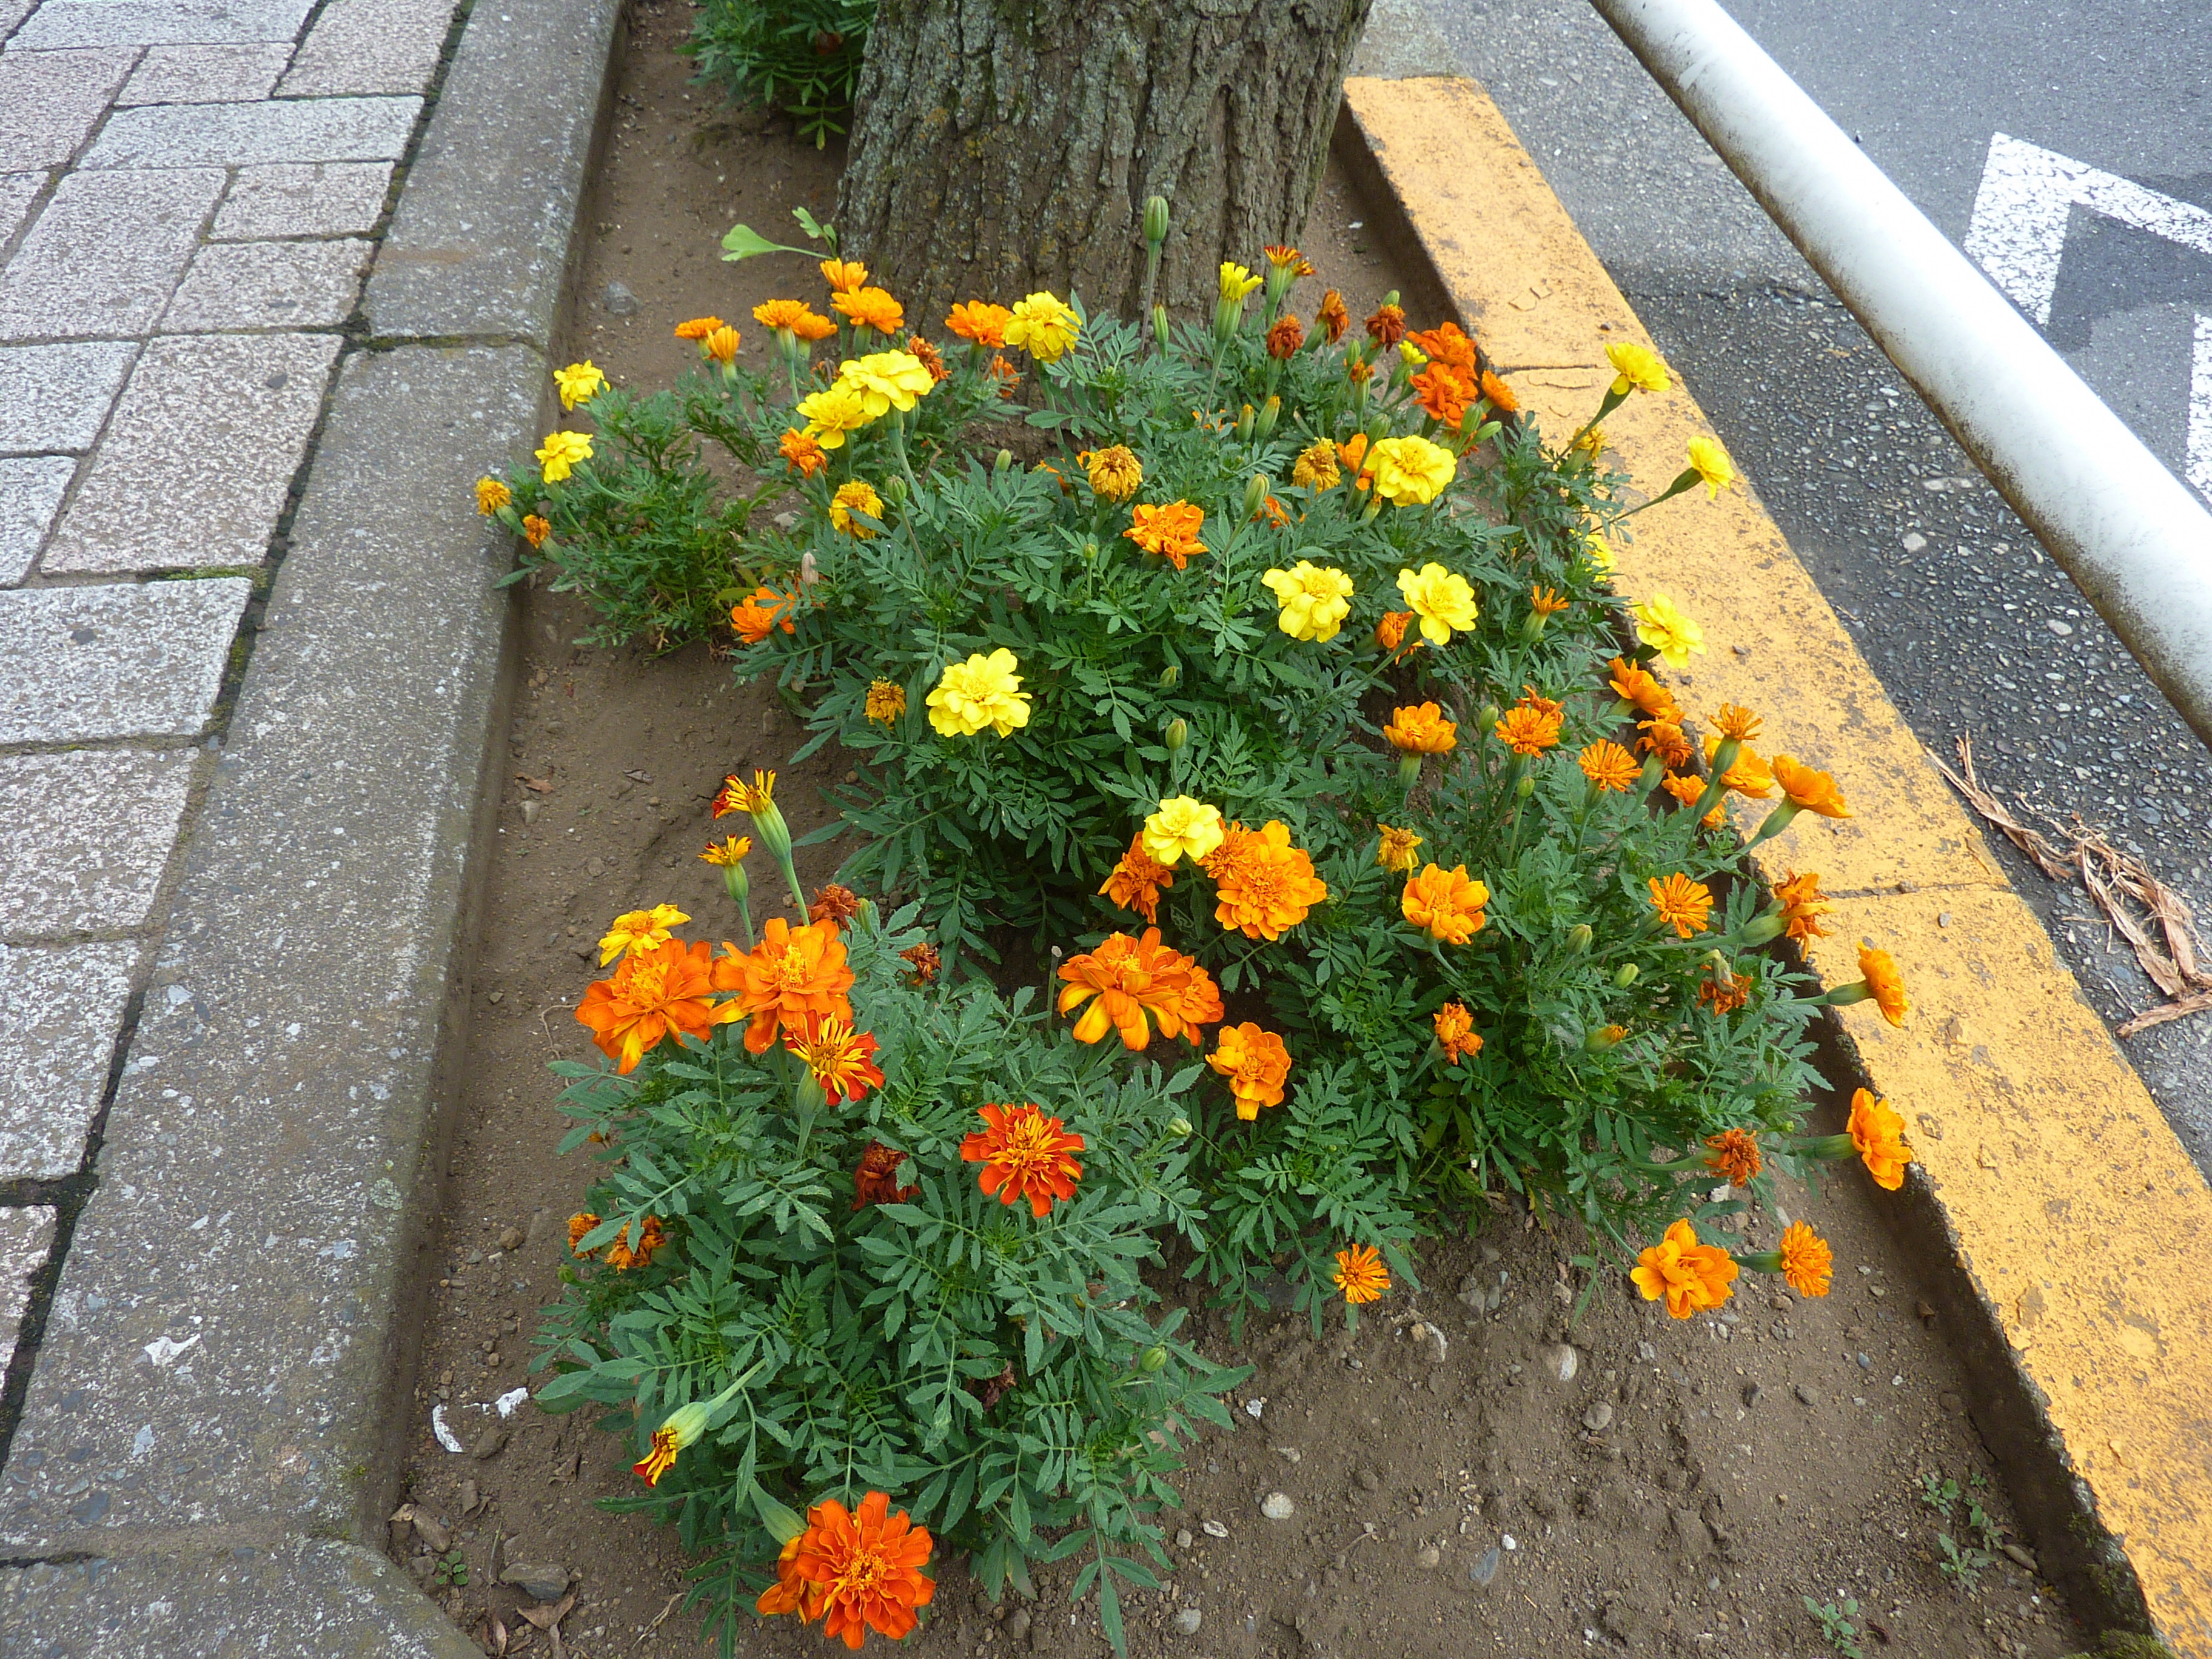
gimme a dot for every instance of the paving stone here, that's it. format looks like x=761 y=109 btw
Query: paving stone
x=49 y=101
x=117 y=661
x=84 y=836
x=238 y=134
x=144 y=23
x=370 y=46
x=60 y=1008
x=30 y=490
x=25 y=1235
x=222 y=421
x=105 y=256
x=55 y=397
x=17 y=191
x=319 y=199
x=268 y=285
x=207 y=75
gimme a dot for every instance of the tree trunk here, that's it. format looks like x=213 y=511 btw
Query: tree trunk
x=1004 y=146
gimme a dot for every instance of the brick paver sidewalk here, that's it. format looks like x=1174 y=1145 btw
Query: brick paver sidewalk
x=191 y=192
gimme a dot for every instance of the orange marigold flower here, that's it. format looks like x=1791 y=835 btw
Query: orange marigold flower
x=1025 y=1155
x=1748 y=775
x=1682 y=904
x=793 y=974
x=1136 y=980
x=1262 y=883
x=721 y=346
x=1357 y=368
x=1331 y=316
x=857 y=1573
x=1814 y=792
x=1137 y=880
x=699 y=328
x=1390 y=632
x=1284 y=338
x=1689 y=791
x=875 y=1180
x=1803 y=906
x=1169 y=531
x=1455 y=1032
x=1397 y=848
x=1877 y=1131
x=1878 y=969
x=1445 y=904
x=623 y=1255
x=1256 y=1063
x=1353 y=454
x=789 y=317
x=1273 y=511
x=1500 y=394
x=761 y=613
x=924 y=961
x=535 y=530
x=1007 y=376
x=1734 y=720
x=1725 y=998
x=1609 y=766
x=1733 y=1155
x=1635 y=686
x=1547 y=601
x=841 y=1060
x=927 y=356
x=1387 y=324
x=885 y=702
x=871 y=307
x=1806 y=1260
x=799 y=451
x=1528 y=732
x=1360 y=1274
x=1444 y=392
x=1421 y=729
x=833 y=903
x=1447 y=343
x=579 y=1225
x=1666 y=740
x=1693 y=1276
x=980 y=323
x=653 y=992
x=845 y=275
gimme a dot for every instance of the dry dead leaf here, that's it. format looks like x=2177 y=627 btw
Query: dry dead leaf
x=543 y=786
x=2199 y=1002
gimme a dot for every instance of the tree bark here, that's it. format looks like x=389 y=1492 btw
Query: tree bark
x=1004 y=146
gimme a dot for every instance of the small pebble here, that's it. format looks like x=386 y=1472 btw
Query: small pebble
x=1188 y=1619
x=1599 y=1418
x=1213 y=1529
x=1486 y=1566
x=1017 y=1624
x=512 y=1238
x=1563 y=1360
x=617 y=301
x=1183 y=1539
x=1807 y=1395
x=1277 y=1506
x=1429 y=1558
x=1751 y=1394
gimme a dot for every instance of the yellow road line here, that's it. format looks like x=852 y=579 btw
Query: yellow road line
x=2079 y=1226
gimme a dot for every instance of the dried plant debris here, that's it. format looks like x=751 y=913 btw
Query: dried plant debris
x=2157 y=922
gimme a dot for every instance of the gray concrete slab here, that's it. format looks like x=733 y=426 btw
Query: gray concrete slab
x=84 y=836
x=60 y=23
x=240 y=135
x=222 y=421
x=92 y=664
x=103 y=258
x=30 y=490
x=368 y=46
x=234 y=285
x=304 y=1598
x=480 y=244
x=25 y=1235
x=297 y=1033
x=207 y=75
x=17 y=191
x=61 y=1009
x=49 y=100
x=318 y=198
x=56 y=398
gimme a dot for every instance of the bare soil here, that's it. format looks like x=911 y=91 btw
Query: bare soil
x=1471 y=1473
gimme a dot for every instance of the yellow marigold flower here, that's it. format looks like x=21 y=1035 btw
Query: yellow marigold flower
x=886 y=702
x=1711 y=464
x=535 y=530
x=1441 y=598
x=1884 y=983
x=1042 y=326
x=1445 y=904
x=1634 y=367
x=1411 y=471
x=1263 y=884
x=871 y=307
x=698 y=328
x=728 y=851
x=1314 y=600
x=1733 y=1155
x=982 y=691
x=1814 y=792
x=1598 y=552
x=858 y=496
x=1420 y=729
x=845 y=275
x=1803 y=906
x=1609 y=766
x=1455 y=1032
x=1315 y=467
x=1183 y=827
x=636 y=930
x=1396 y=852
x=1682 y=904
x=721 y=346
x=1693 y=1276
x=1169 y=531
x=1237 y=283
x=838 y=408
x=1807 y=1263
x=1661 y=624
x=1256 y=1064
x=1877 y=1132
x=738 y=796
x=491 y=496
x=1528 y=732
x=887 y=380
x=981 y=323
x=1734 y=720
x=563 y=450
x=1360 y=1274
x=1115 y=471
x=1749 y=775
x=1411 y=355
x=579 y=383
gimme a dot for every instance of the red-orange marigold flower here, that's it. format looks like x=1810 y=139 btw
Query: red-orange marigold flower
x=924 y=960
x=623 y=1255
x=792 y=974
x=927 y=354
x=1170 y=530
x=1025 y=1155
x=857 y=1573
x=1724 y=999
x=1444 y=392
x=1803 y=906
x=1137 y=879
x=535 y=530
x=833 y=902
x=1256 y=1064
x=1136 y=981
x=651 y=993
x=842 y=1060
x=1500 y=394
x=1387 y=324
x=875 y=1181
x=1666 y=740
x=1287 y=335
x=1734 y=1154
x=1331 y=316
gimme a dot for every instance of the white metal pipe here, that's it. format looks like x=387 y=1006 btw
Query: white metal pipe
x=2135 y=539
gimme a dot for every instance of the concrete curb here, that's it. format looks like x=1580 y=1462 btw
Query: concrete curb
x=211 y=1439
x=2049 y=1187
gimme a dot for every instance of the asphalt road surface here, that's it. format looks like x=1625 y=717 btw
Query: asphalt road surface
x=1970 y=626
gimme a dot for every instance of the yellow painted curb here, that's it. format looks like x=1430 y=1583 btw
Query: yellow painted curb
x=2079 y=1227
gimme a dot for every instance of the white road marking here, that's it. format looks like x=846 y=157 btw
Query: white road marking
x=2197 y=467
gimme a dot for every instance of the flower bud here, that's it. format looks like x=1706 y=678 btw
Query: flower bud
x=1409 y=769
x=1160 y=327
x=1153 y=1359
x=1006 y=458
x=1256 y=495
x=895 y=487
x=1270 y=412
x=1156 y=219
x=1178 y=734
x=1391 y=298
x=1489 y=717
x=1759 y=929
x=1244 y=426
x=1579 y=937
x=1172 y=676
x=1179 y=1126
x=1605 y=1037
x=1624 y=976
x=1526 y=786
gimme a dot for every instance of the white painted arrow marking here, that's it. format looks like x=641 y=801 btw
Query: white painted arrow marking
x=2019 y=228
